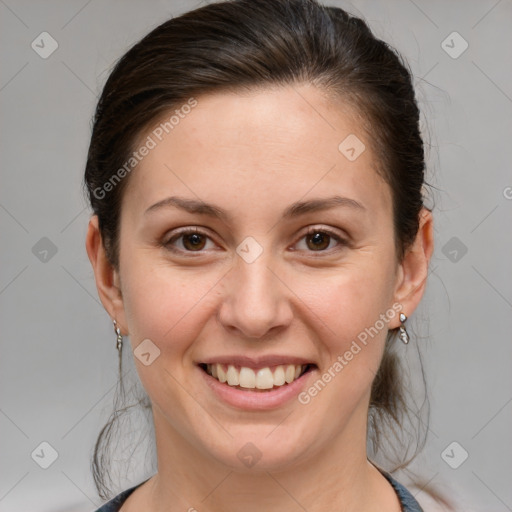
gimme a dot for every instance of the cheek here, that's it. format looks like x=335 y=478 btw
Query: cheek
x=347 y=315
x=347 y=304
x=165 y=306
x=170 y=309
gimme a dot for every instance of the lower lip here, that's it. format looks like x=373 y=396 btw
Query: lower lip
x=256 y=400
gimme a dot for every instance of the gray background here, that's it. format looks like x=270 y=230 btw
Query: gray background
x=58 y=362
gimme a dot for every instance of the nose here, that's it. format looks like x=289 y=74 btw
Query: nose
x=255 y=299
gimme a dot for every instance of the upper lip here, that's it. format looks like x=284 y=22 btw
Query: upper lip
x=256 y=362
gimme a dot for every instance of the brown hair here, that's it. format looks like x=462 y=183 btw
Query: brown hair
x=240 y=45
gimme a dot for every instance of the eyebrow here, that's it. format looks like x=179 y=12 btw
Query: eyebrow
x=294 y=210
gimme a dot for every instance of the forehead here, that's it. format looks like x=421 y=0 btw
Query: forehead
x=260 y=147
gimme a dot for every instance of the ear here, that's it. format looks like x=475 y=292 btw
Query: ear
x=107 y=278
x=413 y=270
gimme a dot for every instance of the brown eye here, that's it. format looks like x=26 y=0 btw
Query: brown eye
x=194 y=241
x=188 y=240
x=321 y=241
x=318 y=241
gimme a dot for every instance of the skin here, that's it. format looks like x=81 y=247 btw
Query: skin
x=253 y=155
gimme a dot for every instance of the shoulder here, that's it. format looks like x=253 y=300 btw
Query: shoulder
x=407 y=500
x=115 y=504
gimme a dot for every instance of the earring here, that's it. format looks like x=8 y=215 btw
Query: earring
x=119 y=340
x=403 y=333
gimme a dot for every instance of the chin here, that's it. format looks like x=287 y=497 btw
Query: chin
x=261 y=450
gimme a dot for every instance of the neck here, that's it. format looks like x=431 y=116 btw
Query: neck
x=336 y=476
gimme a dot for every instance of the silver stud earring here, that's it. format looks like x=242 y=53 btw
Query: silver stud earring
x=403 y=333
x=119 y=340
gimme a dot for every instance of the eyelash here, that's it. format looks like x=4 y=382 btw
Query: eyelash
x=311 y=231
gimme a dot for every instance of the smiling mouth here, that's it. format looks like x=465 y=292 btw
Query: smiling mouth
x=261 y=379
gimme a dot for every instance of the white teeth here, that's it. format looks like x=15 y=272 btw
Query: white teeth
x=279 y=379
x=248 y=378
x=289 y=373
x=264 y=379
x=221 y=374
x=232 y=376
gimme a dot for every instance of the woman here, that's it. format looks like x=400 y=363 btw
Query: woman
x=255 y=172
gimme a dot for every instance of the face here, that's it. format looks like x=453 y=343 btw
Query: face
x=276 y=271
